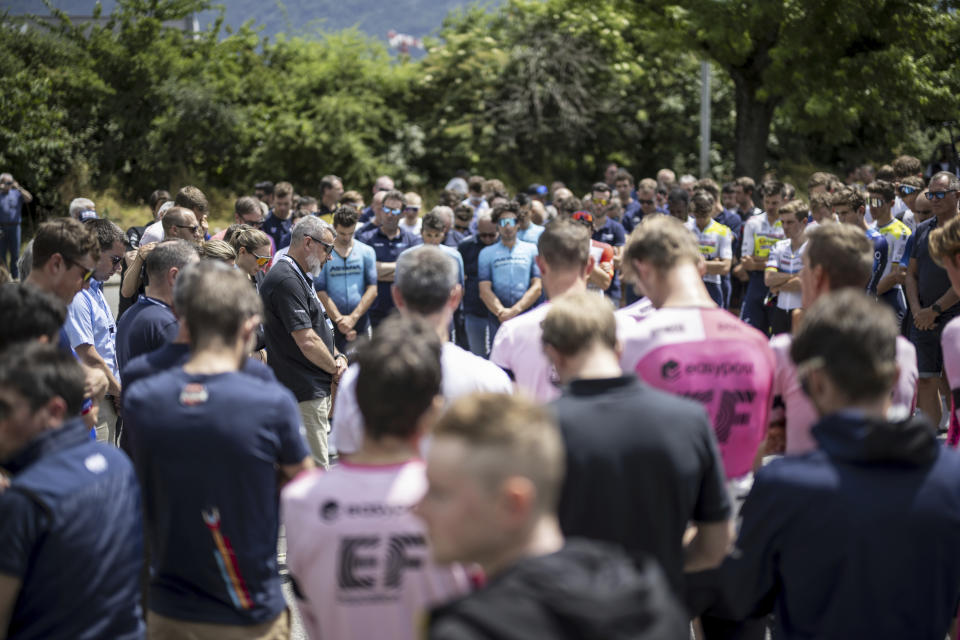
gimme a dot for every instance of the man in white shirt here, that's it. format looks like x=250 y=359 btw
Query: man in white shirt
x=425 y=285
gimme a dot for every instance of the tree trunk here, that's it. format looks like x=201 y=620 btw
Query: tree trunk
x=753 y=126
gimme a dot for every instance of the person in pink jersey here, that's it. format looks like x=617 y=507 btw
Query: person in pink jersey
x=565 y=266
x=945 y=250
x=835 y=257
x=691 y=347
x=358 y=557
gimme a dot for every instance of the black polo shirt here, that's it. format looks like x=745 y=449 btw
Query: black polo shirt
x=289 y=304
x=932 y=279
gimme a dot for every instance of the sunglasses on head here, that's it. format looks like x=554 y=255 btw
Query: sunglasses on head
x=939 y=195
x=904 y=190
x=583 y=216
x=393 y=212
x=87 y=273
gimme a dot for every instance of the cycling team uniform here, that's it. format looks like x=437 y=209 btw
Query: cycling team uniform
x=509 y=270
x=716 y=243
x=896 y=234
x=881 y=255
x=759 y=237
x=602 y=254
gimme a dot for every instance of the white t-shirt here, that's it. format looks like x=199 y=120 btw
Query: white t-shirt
x=412 y=228
x=783 y=259
x=462 y=372
x=359 y=557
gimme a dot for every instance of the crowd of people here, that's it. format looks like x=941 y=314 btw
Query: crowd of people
x=659 y=409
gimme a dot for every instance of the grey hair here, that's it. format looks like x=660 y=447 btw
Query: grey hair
x=78 y=205
x=425 y=276
x=953 y=181
x=486 y=214
x=185 y=287
x=446 y=213
x=309 y=226
x=168 y=255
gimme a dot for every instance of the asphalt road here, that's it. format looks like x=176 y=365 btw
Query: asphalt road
x=112 y=292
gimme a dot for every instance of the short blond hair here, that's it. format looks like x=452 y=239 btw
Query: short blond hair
x=576 y=321
x=662 y=241
x=508 y=435
x=798 y=208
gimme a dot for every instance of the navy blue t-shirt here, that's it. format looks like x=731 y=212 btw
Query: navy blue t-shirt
x=70 y=531
x=279 y=230
x=632 y=215
x=932 y=279
x=470 y=251
x=387 y=250
x=176 y=354
x=144 y=327
x=613 y=234
x=206 y=449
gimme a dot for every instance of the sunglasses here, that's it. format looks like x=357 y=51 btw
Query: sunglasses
x=411 y=208
x=327 y=246
x=5 y=183
x=645 y=202
x=261 y=260
x=875 y=203
x=256 y=224
x=939 y=195
x=87 y=273
x=601 y=201
x=905 y=190
x=193 y=228
x=507 y=222
x=583 y=216
x=115 y=260
x=393 y=212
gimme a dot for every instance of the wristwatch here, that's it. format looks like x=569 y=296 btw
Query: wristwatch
x=936 y=308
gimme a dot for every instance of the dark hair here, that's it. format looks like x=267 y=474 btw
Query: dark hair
x=905 y=166
x=107 y=233
x=702 y=202
x=424 y=277
x=27 y=313
x=475 y=184
x=157 y=197
x=266 y=186
x=345 y=216
x=394 y=194
x=192 y=198
x=463 y=211
x=41 y=372
x=399 y=376
x=623 y=174
x=746 y=183
x=728 y=187
x=564 y=244
x=884 y=188
x=854 y=339
x=68 y=237
x=848 y=196
x=433 y=222
x=167 y=255
x=772 y=188
x=327 y=182
x=507 y=207
x=450 y=198
x=600 y=186
x=246 y=205
x=679 y=195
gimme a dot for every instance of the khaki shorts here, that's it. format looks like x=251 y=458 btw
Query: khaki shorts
x=316 y=422
x=107 y=421
x=163 y=628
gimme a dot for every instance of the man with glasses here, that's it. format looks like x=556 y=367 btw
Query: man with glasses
x=508 y=272
x=932 y=300
x=609 y=231
x=908 y=192
x=13 y=197
x=92 y=329
x=388 y=242
x=246 y=211
x=479 y=324
x=296 y=330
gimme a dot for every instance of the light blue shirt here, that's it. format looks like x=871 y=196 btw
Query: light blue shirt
x=450 y=251
x=90 y=321
x=346 y=279
x=530 y=234
x=508 y=270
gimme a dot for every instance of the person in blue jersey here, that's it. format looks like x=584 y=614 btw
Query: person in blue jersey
x=388 y=241
x=507 y=271
x=609 y=231
x=71 y=537
x=849 y=205
x=347 y=283
x=624 y=187
x=13 y=199
x=212 y=447
x=151 y=323
x=527 y=230
x=279 y=224
x=881 y=196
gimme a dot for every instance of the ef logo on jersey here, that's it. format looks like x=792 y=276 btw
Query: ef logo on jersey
x=670 y=370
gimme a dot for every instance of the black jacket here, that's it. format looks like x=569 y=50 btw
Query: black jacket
x=585 y=591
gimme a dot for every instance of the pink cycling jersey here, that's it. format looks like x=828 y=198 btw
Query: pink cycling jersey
x=799 y=411
x=712 y=357
x=950 y=341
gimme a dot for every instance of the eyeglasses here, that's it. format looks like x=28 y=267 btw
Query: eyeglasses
x=411 y=208
x=939 y=195
x=905 y=190
x=327 y=246
x=87 y=273
x=393 y=212
x=256 y=224
x=645 y=202
x=115 y=260
x=192 y=228
x=507 y=222
x=583 y=216
x=261 y=260
x=5 y=183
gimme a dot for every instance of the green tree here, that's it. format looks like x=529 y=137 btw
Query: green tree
x=829 y=68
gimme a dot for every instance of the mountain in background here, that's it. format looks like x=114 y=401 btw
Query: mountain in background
x=417 y=18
